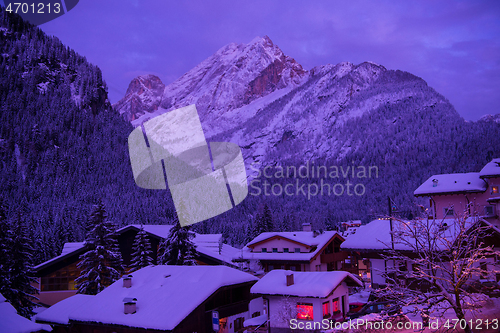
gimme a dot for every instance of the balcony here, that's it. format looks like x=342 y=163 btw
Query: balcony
x=332 y=257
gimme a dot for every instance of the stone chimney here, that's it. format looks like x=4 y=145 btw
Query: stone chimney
x=129 y=305
x=289 y=279
x=306 y=226
x=127 y=281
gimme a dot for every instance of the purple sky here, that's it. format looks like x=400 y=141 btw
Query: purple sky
x=453 y=45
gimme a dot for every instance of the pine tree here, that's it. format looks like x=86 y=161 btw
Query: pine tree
x=102 y=263
x=263 y=222
x=178 y=248
x=5 y=248
x=141 y=257
x=20 y=292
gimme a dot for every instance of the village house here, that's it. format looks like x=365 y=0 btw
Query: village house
x=474 y=192
x=304 y=251
x=373 y=240
x=449 y=195
x=304 y=298
x=56 y=277
x=161 y=298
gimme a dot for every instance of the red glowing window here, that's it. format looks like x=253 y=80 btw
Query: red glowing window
x=335 y=306
x=305 y=311
x=326 y=310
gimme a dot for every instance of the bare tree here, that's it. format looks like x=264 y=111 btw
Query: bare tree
x=446 y=257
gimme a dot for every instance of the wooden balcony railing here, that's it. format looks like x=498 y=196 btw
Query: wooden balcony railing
x=332 y=257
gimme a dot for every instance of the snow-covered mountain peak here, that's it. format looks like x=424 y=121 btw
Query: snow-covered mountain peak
x=263 y=100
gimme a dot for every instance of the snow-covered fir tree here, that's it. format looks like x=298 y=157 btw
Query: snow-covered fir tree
x=141 y=257
x=178 y=248
x=16 y=287
x=101 y=265
x=263 y=222
x=5 y=246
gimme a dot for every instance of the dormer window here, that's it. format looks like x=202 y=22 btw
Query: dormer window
x=264 y=249
x=285 y=250
x=275 y=250
x=494 y=190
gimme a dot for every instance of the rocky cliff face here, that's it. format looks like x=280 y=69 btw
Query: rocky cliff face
x=261 y=99
x=143 y=96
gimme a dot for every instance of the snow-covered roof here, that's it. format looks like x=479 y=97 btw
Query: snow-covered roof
x=308 y=238
x=226 y=254
x=71 y=246
x=452 y=183
x=59 y=313
x=11 y=322
x=165 y=296
x=163 y=231
x=207 y=244
x=68 y=250
x=306 y=284
x=303 y=237
x=255 y=321
x=376 y=235
x=492 y=169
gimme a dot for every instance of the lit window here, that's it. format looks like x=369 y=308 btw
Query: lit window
x=494 y=190
x=264 y=249
x=285 y=250
x=335 y=305
x=305 y=311
x=326 y=310
x=275 y=249
x=297 y=250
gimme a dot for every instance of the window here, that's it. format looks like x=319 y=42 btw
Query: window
x=238 y=323
x=297 y=250
x=264 y=249
x=62 y=279
x=318 y=268
x=275 y=249
x=285 y=250
x=494 y=190
x=293 y=268
x=489 y=210
x=326 y=310
x=305 y=311
x=449 y=212
x=270 y=267
x=335 y=306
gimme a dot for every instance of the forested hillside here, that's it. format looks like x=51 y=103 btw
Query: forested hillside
x=62 y=145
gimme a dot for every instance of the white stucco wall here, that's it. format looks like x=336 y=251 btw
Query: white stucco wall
x=282 y=308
